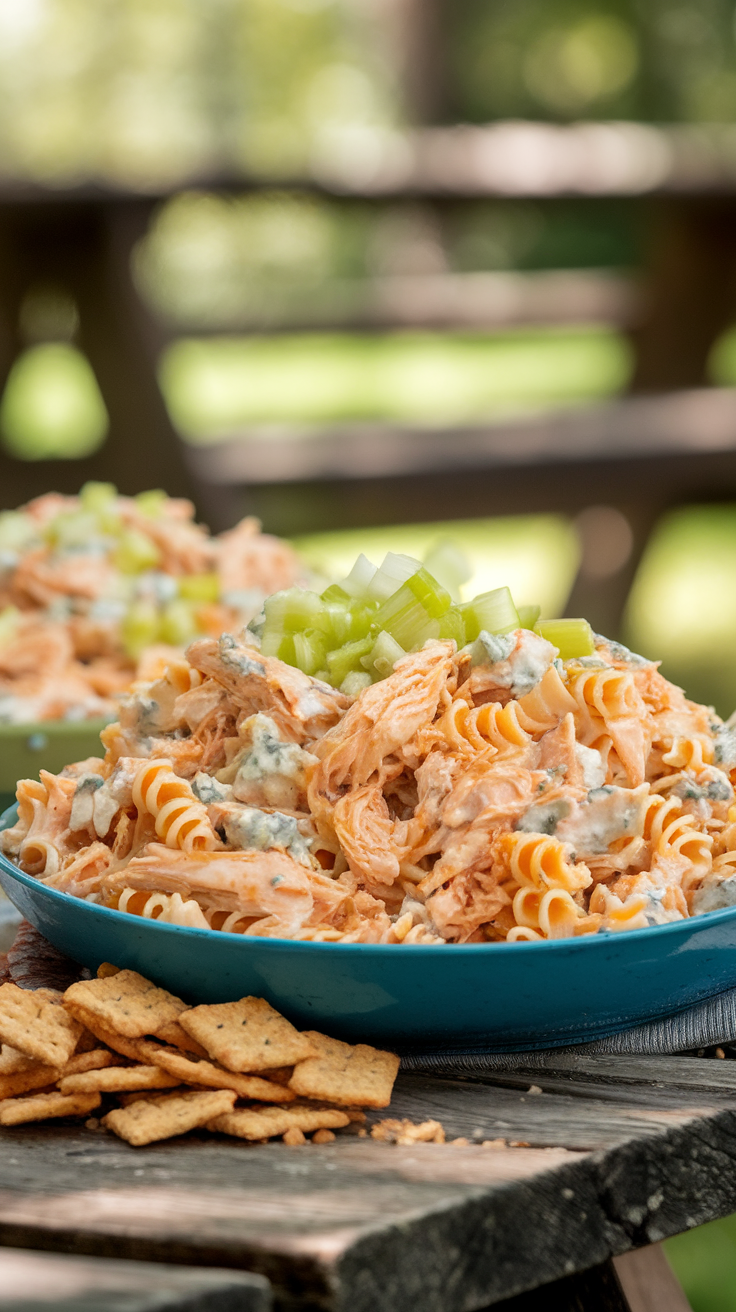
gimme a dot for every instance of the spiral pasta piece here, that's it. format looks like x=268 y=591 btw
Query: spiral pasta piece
x=167 y=907
x=539 y=862
x=180 y=820
x=483 y=727
x=546 y=705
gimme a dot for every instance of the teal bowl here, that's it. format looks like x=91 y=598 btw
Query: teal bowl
x=492 y=997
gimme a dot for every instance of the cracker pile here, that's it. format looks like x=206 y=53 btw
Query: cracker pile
x=162 y=1068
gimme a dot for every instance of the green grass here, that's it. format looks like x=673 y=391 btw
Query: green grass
x=219 y=386
x=704 y=1261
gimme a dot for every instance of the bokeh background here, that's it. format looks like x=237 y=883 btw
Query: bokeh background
x=283 y=295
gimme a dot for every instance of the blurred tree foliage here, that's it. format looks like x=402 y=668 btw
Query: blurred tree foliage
x=662 y=60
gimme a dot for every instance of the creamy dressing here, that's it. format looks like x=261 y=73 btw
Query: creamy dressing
x=518 y=661
x=209 y=790
x=83 y=803
x=607 y=814
x=714 y=895
x=115 y=793
x=591 y=764
x=724 y=748
x=236 y=658
x=544 y=817
x=268 y=765
x=249 y=828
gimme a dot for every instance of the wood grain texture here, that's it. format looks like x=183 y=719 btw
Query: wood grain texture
x=369 y=1227
x=32 y=1281
x=648 y=1281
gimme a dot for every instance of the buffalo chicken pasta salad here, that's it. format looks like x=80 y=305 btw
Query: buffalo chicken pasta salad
x=99 y=588
x=475 y=776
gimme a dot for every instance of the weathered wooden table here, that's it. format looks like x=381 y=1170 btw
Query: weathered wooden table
x=617 y=1154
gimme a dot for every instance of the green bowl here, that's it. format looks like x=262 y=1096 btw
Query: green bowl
x=27 y=748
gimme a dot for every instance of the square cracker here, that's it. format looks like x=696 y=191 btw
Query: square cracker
x=125 y=1002
x=173 y=1034
x=38 y=1077
x=36 y=1024
x=42 y=1106
x=357 y=1075
x=87 y=1061
x=205 y=1072
x=125 y=1047
x=247 y=1035
x=268 y=1122
x=117 y=1079
x=145 y=1122
x=12 y=1062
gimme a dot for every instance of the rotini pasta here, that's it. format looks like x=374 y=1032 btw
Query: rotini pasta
x=240 y=795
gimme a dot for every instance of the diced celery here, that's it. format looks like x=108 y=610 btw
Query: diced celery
x=309 y=651
x=270 y=642
x=199 y=587
x=293 y=610
x=139 y=627
x=354 y=683
x=357 y=581
x=571 y=637
x=493 y=611
x=9 y=617
x=406 y=619
x=363 y=617
x=449 y=565
x=435 y=599
x=347 y=658
x=178 y=623
x=76 y=528
x=381 y=659
x=452 y=625
x=96 y=497
x=528 y=616
x=394 y=571
x=336 y=594
x=135 y=552
x=17 y=530
x=336 y=623
x=152 y=502
x=287 y=650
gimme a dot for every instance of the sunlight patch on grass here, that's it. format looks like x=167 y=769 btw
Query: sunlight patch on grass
x=214 y=387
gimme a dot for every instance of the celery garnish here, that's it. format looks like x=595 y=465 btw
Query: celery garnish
x=152 y=502
x=309 y=650
x=571 y=637
x=135 y=552
x=355 y=682
x=17 y=530
x=139 y=627
x=97 y=497
x=335 y=594
x=528 y=616
x=9 y=617
x=199 y=587
x=293 y=610
x=447 y=563
x=178 y=625
x=381 y=660
x=452 y=626
x=347 y=658
x=394 y=571
x=493 y=611
x=357 y=581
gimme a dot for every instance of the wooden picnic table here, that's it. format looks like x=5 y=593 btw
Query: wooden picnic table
x=614 y=1154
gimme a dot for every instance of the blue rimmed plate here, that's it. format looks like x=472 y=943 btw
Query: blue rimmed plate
x=500 y=996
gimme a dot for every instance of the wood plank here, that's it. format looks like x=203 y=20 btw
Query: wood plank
x=31 y=1281
x=648 y=1281
x=343 y=1224
x=656 y=1072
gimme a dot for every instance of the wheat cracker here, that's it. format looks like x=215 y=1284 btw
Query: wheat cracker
x=44 y=1106
x=270 y=1122
x=87 y=1061
x=12 y=1062
x=36 y=1024
x=206 y=1072
x=146 y=1122
x=351 y=1075
x=118 y=1079
x=38 y=1077
x=124 y=1047
x=173 y=1034
x=248 y=1035
x=125 y=1002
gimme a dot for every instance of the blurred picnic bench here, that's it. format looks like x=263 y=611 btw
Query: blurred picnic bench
x=672 y=440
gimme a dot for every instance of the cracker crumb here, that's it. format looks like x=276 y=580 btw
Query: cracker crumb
x=720 y=1053
x=460 y=1143
x=92 y=1123
x=402 y=1132
x=323 y=1136
x=494 y=1143
x=519 y=1143
x=294 y=1137
x=534 y=1088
